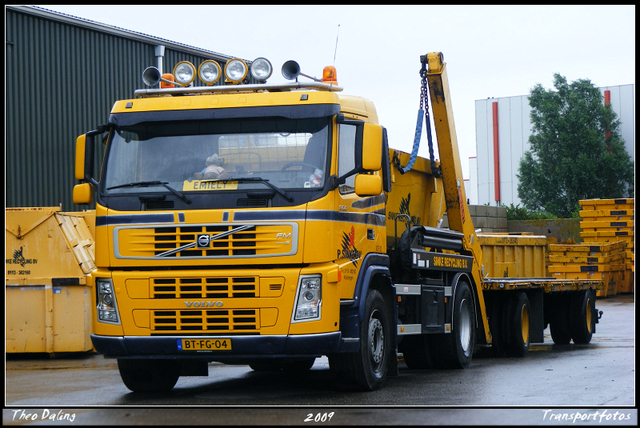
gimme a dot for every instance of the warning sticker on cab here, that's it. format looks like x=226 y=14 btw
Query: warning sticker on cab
x=204 y=344
x=190 y=186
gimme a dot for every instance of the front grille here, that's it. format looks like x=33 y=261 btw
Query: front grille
x=220 y=241
x=238 y=244
x=206 y=321
x=204 y=288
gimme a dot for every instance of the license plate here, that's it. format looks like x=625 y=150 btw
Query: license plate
x=204 y=344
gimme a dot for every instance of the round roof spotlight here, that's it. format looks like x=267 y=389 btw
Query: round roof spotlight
x=209 y=72
x=261 y=69
x=235 y=70
x=184 y=72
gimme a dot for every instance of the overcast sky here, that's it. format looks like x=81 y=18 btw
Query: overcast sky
x=490 y=51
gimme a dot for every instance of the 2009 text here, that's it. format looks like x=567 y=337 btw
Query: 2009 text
x=319 y=417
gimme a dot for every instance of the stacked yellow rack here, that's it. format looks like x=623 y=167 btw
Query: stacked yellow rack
x=611 y=220
x=590 y=261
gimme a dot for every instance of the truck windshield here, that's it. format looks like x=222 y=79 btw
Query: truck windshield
x=288 y=153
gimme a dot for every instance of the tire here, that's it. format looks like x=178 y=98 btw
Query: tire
x=297 y=365
x=559 y=324
x=454 y=350
x=517 y=325
x=367 y=369
x=146 y=375
x=497 y=326
x=583 y=319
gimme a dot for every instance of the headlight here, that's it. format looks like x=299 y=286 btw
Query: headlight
x=309 y=299
x=184 y=72
x=235 y=70
x=209 y=72
x=107 y=309
x=261 y=69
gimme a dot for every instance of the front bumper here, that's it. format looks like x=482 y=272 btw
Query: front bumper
x=244 y=347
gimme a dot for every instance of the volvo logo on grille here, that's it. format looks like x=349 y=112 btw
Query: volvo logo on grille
x=203 y=241
x=204 y=304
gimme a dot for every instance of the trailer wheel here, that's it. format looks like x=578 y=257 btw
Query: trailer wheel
x=582 y=321
x=367 y=368
x=517 y=324
x=147 y=375
x=454 y=350
x=559 y=325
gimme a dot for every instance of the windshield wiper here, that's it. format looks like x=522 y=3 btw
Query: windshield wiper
x=153 y=183
x=259 y=180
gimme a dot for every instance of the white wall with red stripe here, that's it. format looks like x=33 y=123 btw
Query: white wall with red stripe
x=503 y=128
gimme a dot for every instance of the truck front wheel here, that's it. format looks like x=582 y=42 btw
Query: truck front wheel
x=367 y=369
x=147 y=375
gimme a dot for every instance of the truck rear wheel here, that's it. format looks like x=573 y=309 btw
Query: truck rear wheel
x=454 y=350
x=517 y=325
x=147 y=375
x=367 y=369
x=583 y=319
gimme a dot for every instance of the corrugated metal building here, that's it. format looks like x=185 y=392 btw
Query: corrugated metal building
x=493 y=179
x=63 y=75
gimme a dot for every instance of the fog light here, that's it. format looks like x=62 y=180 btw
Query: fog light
x=184 y=73
x=209 y=72
x=261 y=69
x=235 y=70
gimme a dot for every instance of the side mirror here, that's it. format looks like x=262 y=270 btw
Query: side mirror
x=81 y=147
x=83 y=194
x=368 y=185
x=372 y=147
x=85 y=150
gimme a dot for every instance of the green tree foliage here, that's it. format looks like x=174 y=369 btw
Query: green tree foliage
x=576 y=151
x=519 y=213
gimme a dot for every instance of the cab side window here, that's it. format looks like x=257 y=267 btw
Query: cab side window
x=346 y=155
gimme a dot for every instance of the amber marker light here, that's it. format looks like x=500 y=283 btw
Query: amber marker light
x=167 y=76
x=329 y=75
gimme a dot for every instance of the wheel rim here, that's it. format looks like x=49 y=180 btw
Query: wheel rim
x=524 y=323
x=376 y=341
x=465 y=326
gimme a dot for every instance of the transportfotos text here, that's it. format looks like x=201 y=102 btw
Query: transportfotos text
x=597 y=416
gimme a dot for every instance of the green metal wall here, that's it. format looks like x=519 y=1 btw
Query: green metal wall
x=61 y=81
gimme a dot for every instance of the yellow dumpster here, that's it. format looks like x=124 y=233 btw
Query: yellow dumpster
x=47 y=301
x=519 y=256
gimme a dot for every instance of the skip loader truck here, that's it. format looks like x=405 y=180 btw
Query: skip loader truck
x=269 y=225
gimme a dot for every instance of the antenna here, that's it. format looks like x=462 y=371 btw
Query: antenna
x=335 y=52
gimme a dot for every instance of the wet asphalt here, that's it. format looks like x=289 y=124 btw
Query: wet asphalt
x=568 y=384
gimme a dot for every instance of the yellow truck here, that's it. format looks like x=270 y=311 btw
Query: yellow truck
x=269 y=225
